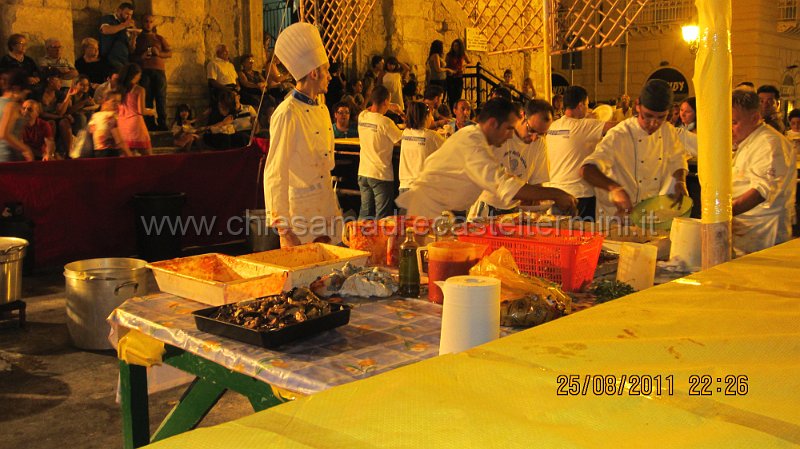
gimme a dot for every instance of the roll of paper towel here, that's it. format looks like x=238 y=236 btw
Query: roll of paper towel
x=470 y=314
x=686 y=243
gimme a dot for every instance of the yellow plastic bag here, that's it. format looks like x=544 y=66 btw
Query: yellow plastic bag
x=525 y=301
x=136 y=348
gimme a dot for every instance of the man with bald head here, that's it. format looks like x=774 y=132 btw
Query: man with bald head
x=221 y=73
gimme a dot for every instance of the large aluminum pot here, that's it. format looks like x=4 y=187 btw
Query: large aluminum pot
x=12 y=251
x=95 y=287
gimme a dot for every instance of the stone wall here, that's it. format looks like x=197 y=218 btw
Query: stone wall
x=193 y=29
x=406 y=28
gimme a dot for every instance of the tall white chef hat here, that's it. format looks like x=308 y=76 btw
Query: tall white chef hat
x=300 y=49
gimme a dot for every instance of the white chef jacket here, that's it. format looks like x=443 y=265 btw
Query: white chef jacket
x=642 y=164
x=415 y=146
x=377 y=135
x=764 y=161
x=297 y=175
x=569 y=141
x=527 y=161
x=456 y=174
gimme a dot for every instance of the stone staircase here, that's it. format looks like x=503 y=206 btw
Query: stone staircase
x=162 y=142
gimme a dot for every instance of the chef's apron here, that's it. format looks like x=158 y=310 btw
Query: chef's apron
x=754 y=233
x=308 y=206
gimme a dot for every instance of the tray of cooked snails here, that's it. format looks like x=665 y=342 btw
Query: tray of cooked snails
x=273 y=320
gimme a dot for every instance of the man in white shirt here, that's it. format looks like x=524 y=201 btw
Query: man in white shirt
x=524 y=155
x=764 y=179
x=221 y=73
x=377 y=135
x=456 y=174
x=55 y=64
x=569 y=141
x=623 y=110
x=298 y=189
x=640 y=158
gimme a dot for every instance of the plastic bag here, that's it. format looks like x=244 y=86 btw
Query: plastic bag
x=525 y=301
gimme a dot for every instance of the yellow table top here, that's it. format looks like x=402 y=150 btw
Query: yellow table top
x=738 y=319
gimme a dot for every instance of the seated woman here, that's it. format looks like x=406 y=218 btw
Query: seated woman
x=251 y=83
x=55 y=110
x=222 y=133
x=91 y=65
x=82 y=104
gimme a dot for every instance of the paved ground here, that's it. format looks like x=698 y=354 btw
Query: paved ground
x=53 y=395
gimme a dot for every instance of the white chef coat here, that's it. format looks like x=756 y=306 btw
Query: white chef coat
x=527 y=161
x=764 y=161
x=642 y=164
x=620 y=116
x=297 y=175
x=569 y=141
x=377 y=135
x=415 y=146
x=456 y=174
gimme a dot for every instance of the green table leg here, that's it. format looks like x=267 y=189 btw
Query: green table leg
x=195 y=404
x=133 y=402
x=259 y=393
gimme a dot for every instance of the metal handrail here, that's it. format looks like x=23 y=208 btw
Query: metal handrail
x=479 y=82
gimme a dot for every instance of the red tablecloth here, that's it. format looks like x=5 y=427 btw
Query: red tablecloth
x=83 y=209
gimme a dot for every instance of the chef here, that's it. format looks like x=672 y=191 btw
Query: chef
x=465 y=165
x=640 y=158
x=764 y=179
x=298 y=190
x=524 y=155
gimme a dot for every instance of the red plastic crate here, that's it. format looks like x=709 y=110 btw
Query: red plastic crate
x=562 y=256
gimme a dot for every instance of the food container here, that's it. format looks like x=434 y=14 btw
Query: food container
x=305 y=263
x=339 y=316
x=217 y=279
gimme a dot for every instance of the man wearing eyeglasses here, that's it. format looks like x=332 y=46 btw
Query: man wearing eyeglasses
x=640 y=158
x=524 y=155
x=569 y=141
x=454 y=177
x=343 y=127
x=54 y=64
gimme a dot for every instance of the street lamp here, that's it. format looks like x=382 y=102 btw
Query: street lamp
x=690 y=35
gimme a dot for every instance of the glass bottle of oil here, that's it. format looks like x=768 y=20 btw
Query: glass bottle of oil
x=409 y=271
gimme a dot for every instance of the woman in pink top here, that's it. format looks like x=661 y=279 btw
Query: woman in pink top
x=130 y=118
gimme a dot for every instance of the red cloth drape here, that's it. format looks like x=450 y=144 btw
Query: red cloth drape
x=83 y=209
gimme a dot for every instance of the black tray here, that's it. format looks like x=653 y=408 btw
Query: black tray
x=339 y=316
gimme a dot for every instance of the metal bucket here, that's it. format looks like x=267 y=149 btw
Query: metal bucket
x=95 y=287
x=12 y=251
x=260 y=235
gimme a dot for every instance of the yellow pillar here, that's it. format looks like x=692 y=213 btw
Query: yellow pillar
x=547 y=82
x=712 y=82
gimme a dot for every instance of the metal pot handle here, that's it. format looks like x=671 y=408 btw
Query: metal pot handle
x=126 y=284
x=11 y=249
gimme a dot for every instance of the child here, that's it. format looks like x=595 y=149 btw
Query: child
x=418 y=142
x=183 y=128
x=103 y=126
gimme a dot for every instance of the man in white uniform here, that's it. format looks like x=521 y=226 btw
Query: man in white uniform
x=570 y=140
x=297 y=178
x=764 y=179
x=524 y=155
x=456 y=174
x=640 y=158
x=377 y=135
